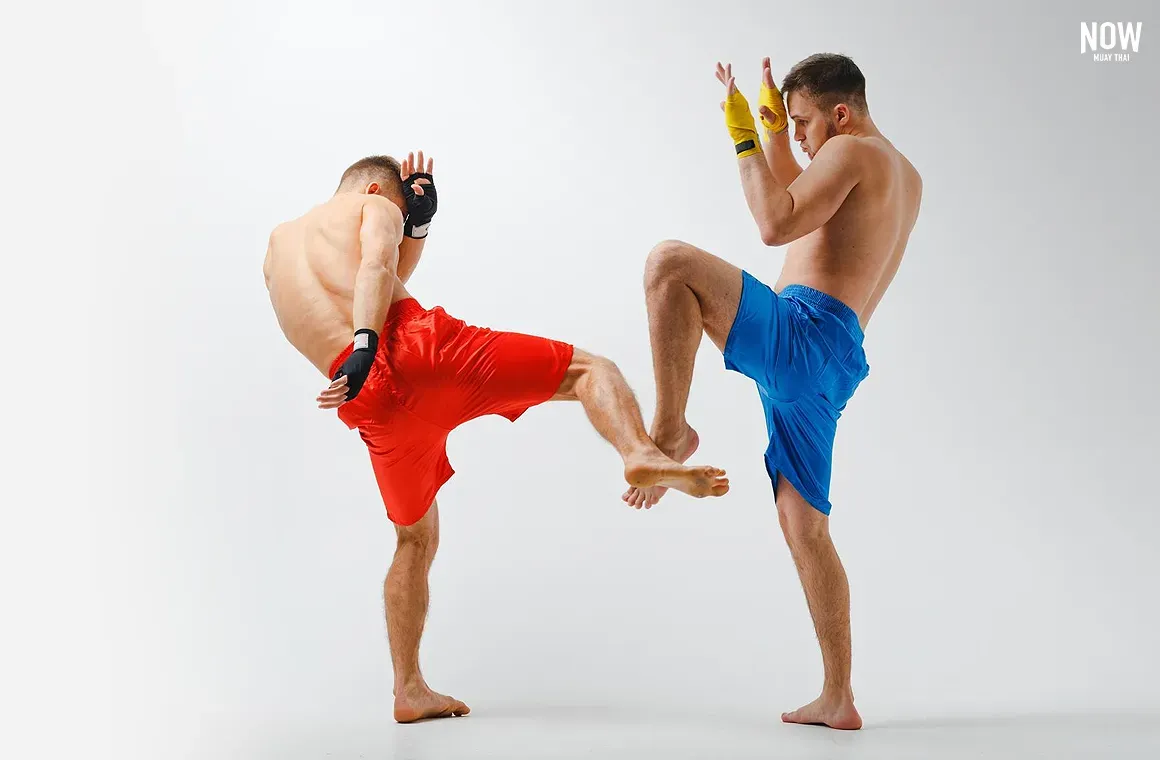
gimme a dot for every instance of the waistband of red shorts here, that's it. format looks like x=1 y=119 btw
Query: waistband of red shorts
x=400 y=311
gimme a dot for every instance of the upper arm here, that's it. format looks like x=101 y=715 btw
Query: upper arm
x=819 y=191
x=381 y=230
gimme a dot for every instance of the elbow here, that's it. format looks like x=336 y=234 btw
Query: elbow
x=773 y=235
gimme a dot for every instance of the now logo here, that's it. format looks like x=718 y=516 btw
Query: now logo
x=1100 y=38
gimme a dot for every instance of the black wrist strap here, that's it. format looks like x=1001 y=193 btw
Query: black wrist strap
x=366 y=338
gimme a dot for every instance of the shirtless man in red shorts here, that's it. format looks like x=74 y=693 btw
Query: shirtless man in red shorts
x=412 y=375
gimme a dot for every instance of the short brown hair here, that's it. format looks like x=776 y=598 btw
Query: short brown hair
x=381 y=169
x=829 y=78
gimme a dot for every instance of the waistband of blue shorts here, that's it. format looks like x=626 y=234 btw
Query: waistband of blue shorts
x=827 y=303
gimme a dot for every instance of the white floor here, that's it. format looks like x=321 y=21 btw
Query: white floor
x=601 y=732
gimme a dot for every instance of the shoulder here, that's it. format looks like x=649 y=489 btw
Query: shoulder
x=910 y=175
x=848 y=156
x=845 y=149
x=382 y=208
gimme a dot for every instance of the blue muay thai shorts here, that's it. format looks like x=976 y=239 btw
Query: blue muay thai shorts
x=803 y=348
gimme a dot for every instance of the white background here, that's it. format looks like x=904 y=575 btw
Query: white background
x=192 y=553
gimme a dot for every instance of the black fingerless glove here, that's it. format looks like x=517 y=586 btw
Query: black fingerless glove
x=420 y=208
x=358 y=365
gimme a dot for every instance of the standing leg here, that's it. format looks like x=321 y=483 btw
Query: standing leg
x=405 y=597
x=807 y=532
x=689 y=292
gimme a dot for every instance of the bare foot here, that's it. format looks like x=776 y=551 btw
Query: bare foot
x=823 y=711
x=420 y=703
x=680 y=449
x=656 y=469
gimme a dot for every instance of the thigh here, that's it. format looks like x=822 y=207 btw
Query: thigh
x=506 y=373
x=715 y=282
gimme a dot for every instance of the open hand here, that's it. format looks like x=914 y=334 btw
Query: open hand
x=419 y=194
x=738 y=117
x=725 y=77
x=771 y=105
x=411 y=166
x=334 y=395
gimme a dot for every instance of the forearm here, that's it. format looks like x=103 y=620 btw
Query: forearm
x=779 y=157
x=374 y=284
x=410 y=251
x=769 y=201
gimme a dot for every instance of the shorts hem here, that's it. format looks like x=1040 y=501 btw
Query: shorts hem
x=433 y=492
x=822 y=505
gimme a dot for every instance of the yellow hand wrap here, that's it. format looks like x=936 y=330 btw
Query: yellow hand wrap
x=771 y=98
x=742 y=129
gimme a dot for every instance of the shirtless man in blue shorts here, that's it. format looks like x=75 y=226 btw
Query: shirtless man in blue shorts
x=846 y=219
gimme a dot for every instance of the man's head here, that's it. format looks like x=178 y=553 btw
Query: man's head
x=825 y=96
x=375 y=175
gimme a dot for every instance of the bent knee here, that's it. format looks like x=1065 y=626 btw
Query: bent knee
x=583 y=368
x=668 y=260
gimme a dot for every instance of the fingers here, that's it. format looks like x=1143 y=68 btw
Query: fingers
x=411 y=166
x=725 y=77
x=724 y=73
x=766 y=73
x=334 y=395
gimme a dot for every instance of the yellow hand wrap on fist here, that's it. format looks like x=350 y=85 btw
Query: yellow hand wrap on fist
x=739 y=121
x=771 y=99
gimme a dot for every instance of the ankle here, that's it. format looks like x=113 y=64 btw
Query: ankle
x=669 y=432
x=837 y=693
x=410 y=684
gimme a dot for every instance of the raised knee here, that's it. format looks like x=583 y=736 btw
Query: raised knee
x=591 y=364
x=667 y=260
x=580 y=372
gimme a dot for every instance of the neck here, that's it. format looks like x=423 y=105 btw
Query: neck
x=863 y=127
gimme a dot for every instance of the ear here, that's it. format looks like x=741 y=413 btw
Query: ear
x=373 y=188
x=841 y=114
